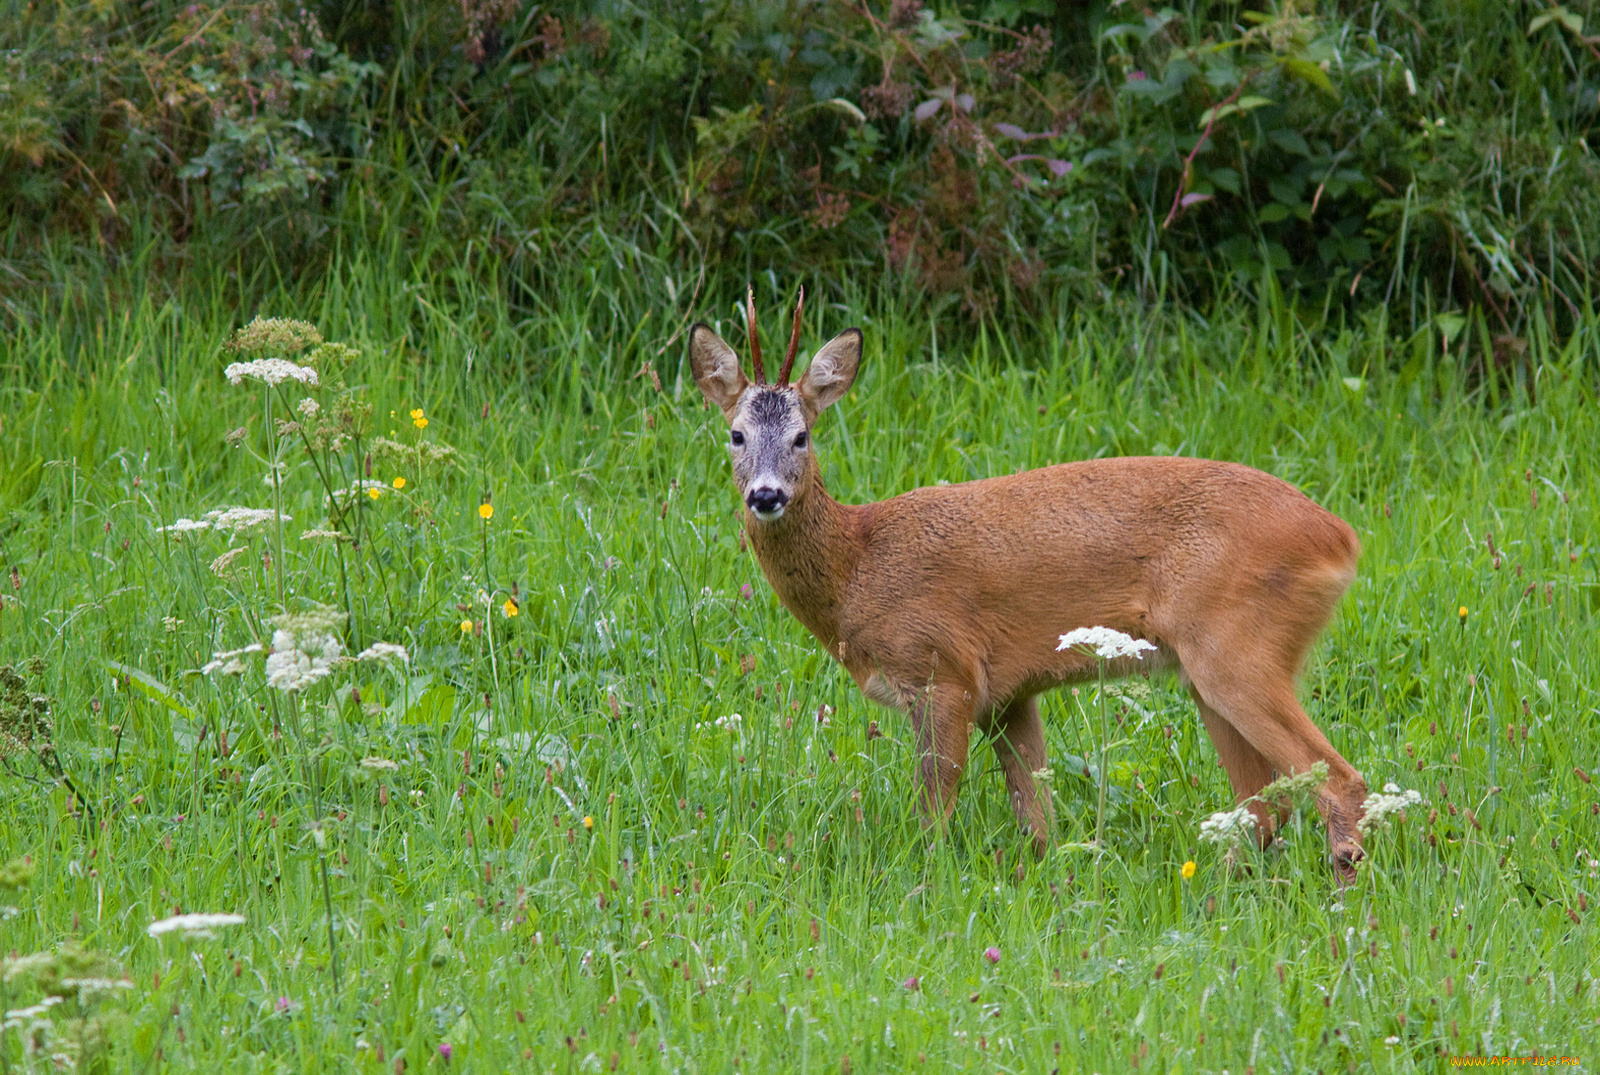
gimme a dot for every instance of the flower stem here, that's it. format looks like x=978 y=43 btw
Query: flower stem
x=1100 y=806
x=277 y=498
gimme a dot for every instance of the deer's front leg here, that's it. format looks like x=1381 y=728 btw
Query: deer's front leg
x=941 y=717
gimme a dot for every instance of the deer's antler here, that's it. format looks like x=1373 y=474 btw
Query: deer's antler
x=794 y=340
x=755 y=344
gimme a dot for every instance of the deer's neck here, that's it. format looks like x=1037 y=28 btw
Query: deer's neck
x=809 y=556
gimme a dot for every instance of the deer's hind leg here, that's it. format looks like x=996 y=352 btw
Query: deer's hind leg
x=1247 y=768
x=1263 y=711
x=1019 y=744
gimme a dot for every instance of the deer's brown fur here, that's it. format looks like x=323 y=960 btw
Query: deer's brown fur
x=947 y=602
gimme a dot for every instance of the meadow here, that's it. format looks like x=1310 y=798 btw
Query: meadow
x=615 y=810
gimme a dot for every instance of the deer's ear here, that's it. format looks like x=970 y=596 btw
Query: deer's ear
x=716 y=369
x=831 y=373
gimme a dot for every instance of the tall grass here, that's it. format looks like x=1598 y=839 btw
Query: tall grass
x=573 y=865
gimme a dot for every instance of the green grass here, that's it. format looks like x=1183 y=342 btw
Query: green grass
x=760 y=899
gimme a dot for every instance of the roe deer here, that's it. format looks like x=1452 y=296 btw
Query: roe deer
x=947 y=602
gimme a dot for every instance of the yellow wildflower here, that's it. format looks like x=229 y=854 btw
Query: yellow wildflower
x=485 y=512
x=588 y=822
x=466 y=627
x=510 y=607
x=374 y=493
x=1188 y=870
x=399 y=483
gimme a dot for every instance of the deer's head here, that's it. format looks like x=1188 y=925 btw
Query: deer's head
x=769 y=425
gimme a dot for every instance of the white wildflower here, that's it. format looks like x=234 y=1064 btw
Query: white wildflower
x=304 y=648
x=223 y=564
x=1379 y=809
x=320 y=535
x=171 y=623
x=243 y=520
x=380 y=764
x=228 y=662
x=293 y=668
x=194 y=925
x=730 y=723
x=1107 y=643
x=384 y=651
x=92 y=989
x=270 y=371
x=308 y=407
x=25 y=966
x=1299 y=787
x=32 y=1011
x=1228 y=828
x=184 y=526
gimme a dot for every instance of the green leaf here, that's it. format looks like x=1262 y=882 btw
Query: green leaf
x=1290 y=141
x=1273 y=212
x=1313 y=73
x=1450 y=325
x=152 y=687
x=1244 y=104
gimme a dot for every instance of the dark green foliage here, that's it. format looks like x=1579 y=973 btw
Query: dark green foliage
x=1015 y=154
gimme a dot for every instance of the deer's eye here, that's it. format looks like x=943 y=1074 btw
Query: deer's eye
x=802 y=440
x=737 y=438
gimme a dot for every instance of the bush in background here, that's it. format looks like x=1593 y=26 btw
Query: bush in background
x=1008 y=154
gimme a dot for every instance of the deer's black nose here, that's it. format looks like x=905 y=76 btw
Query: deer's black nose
x=766 y=500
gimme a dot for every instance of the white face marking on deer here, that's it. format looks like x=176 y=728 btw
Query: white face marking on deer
x=769 y=435
x=769 y=441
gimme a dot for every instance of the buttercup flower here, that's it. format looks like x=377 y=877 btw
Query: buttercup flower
x=1108 y=644
x=510 y=608
x=418 y=419
x=485 y=511
x=399 y=483
x=1187 y=870
x=466 y=626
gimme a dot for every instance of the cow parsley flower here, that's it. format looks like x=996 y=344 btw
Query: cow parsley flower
x=384 y=651
x=274 y=336
x=242 y=520
x=194 y=925
x=304 y=647
x=228 y=662
x=269 y=371
x=1228 y=828
x=223 y=564
x=1380 y=807
x=185 y=526
x=1107 y=643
